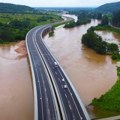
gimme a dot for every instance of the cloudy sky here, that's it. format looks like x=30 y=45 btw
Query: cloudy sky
x=59 y=3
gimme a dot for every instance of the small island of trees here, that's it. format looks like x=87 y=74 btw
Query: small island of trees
x=95 y=42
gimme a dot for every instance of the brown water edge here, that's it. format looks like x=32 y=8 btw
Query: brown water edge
x=98 y=113
x=16 y=93
x=92 y=74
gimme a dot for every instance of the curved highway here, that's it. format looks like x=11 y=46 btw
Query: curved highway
x=56 y=97
x=46 y=107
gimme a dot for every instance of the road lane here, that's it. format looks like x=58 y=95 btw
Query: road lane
x=45 y=95
x=71 y=104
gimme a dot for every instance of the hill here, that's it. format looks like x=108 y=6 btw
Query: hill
x=12 y=8
x=109 y=7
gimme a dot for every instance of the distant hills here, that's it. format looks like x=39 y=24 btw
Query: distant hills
x=12 y=8
x=109 y=7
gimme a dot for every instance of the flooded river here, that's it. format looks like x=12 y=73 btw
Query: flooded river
x=16 y=95
x=92 y=74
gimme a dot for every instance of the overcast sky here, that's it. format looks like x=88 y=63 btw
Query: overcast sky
x=59 y=3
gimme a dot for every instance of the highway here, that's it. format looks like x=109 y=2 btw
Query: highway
x=52 y=83
x=45 y=95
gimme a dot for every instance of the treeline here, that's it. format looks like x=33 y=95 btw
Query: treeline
x=79 y=22
x=14 y=27
x=84 y=17
x=86 y=13
x=95 y=42
x=15 y=30
x=116 y=19
x=109 y=7
x=12 y=8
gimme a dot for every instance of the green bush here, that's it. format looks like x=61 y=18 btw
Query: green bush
x=95 y=42
x=116 y=57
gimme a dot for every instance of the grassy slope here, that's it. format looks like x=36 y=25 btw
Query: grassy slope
x=111 y=99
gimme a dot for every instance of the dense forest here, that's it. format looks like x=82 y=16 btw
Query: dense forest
x=11 y=8
x=84 y=17
x=17 y=20
x=116 y=19
x=15 y=30
x=95 y=42
x=109 y=7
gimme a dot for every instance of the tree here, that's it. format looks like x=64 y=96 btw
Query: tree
x=113 y=48
x=105 y=20
x=92 y=40
x=16 y=23
x=116 y=19
x=6 y=35
x=70 y=24
x=99 y=16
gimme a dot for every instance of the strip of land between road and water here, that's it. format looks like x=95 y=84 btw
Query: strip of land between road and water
x=57 y=99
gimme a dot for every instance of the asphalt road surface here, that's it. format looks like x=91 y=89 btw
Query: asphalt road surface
x=44 y=65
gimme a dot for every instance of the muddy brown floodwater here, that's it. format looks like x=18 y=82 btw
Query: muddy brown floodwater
x=92 y=74
x=16 y=95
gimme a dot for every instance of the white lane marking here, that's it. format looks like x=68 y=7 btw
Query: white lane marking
x=65 y=95
x=56 y=73
x=71 y=96
x=41 y=98
x=40 y=87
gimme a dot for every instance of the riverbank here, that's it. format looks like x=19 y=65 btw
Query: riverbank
x=21 y=49
x=82 y=64
x=111 y=99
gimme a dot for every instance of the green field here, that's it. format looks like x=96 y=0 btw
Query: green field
x=15 y=26
x=111 y=99
x=45 y=18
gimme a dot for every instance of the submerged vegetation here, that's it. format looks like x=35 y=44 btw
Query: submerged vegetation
x=111 y=99
x=79 y=22
x=95 y=42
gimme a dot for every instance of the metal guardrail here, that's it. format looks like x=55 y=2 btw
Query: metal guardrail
x=34 y=82
x=54 y=85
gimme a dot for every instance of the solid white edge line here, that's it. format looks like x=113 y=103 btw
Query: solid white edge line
x=50 y=84
x=34 y=82
x=78 y=97
x=57 y=92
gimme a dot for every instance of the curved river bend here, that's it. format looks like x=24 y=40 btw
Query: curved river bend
x=92 y=74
